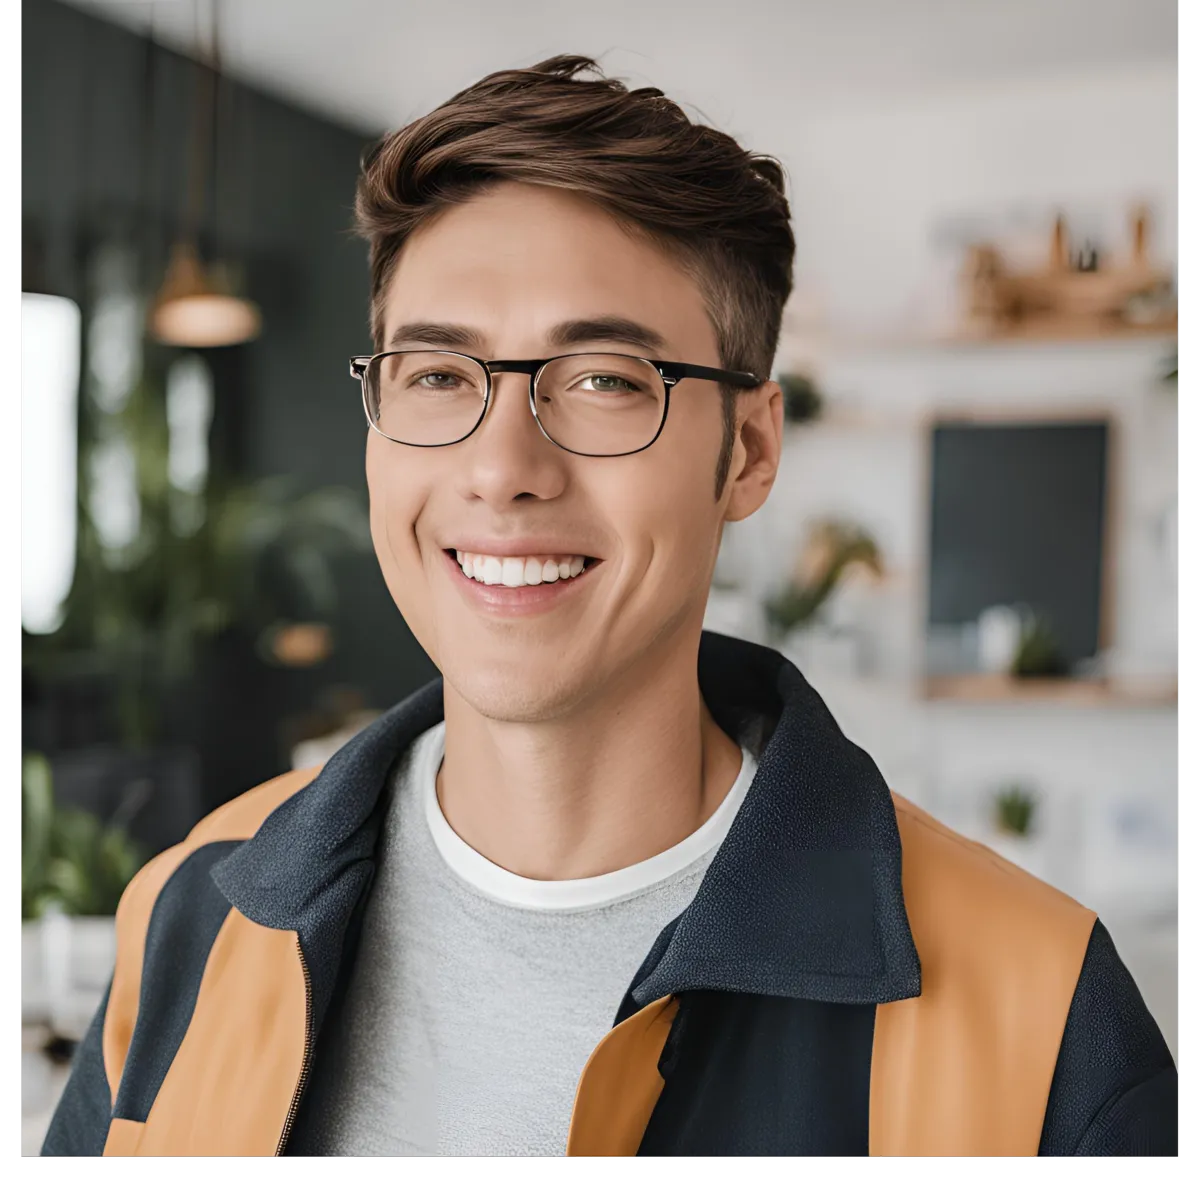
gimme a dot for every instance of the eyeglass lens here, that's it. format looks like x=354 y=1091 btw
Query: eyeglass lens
x=588 y=403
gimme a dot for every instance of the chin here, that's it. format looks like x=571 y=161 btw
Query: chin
x=534 y=691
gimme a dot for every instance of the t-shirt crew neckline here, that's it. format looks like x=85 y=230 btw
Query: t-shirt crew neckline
x=557 y=895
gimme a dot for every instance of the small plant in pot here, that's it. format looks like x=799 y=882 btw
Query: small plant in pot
x=1014 y=810
x=1038 y=653
x=1014 y=833
x=74 y=869
x=833 y=547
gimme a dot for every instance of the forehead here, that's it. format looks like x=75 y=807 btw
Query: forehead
x=518 y=258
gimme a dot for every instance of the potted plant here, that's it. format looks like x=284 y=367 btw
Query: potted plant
x=1013 y=833
x=833 y=547
x=1038 y=654
x=74 y=869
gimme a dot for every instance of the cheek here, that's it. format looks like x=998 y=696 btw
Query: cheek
x=395 y=502
x=668 y=520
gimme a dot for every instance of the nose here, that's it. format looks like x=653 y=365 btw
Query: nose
x=508 y=457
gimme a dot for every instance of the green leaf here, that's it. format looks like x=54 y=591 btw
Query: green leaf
x=69 y=858
x=37 y=828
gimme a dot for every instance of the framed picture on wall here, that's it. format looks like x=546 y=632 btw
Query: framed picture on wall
x=1018 y=550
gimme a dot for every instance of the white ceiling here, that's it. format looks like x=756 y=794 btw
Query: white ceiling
x=374 y=64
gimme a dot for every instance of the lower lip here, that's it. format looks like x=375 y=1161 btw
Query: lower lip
x=517 y=601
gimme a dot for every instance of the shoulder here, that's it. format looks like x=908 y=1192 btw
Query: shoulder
x=234 y=821
x=964 y=899
x=171 y=911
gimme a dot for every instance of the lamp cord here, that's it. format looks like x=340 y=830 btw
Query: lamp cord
x=147 y=193
x=204 y=128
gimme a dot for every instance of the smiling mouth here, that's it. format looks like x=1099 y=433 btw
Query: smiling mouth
x=528 y=571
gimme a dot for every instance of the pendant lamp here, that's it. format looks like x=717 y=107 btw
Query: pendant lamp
x=197 y=305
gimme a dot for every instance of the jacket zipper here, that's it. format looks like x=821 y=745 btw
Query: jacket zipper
x=306 y=1061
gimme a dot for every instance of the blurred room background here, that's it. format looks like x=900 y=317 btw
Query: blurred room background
x=971 y=547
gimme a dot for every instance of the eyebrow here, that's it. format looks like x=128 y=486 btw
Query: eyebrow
x=564 y=335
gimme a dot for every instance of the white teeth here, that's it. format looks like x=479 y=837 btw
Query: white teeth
x=518 y=572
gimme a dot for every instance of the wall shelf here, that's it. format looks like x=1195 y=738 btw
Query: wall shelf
x=1069 y=334
x=1006 y=689
x=1042 y=337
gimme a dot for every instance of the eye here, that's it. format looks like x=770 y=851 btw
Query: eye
x=448 y=378
x=609 y=383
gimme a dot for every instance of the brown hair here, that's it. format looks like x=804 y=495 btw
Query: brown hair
x=719 y=210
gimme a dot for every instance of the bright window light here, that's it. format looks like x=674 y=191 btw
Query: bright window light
x=50 y=334
x=189 y=417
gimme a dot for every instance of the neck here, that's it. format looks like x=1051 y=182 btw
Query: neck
x=616 y=781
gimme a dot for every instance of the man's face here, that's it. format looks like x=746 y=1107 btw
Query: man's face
x=511 y=265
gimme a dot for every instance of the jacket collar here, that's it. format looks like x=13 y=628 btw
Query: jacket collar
x=802 y=900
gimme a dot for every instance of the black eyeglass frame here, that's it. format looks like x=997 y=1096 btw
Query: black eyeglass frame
x=670 y=373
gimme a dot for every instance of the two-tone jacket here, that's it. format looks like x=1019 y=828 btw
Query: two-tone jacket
x=852 y=976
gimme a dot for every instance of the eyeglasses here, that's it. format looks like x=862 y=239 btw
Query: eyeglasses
x=598 y=405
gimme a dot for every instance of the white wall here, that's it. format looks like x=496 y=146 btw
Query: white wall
x=870 y=193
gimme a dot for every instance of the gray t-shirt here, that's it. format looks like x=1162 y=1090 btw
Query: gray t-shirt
x=477 y=994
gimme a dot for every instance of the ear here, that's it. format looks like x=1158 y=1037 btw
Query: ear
x=757 y=444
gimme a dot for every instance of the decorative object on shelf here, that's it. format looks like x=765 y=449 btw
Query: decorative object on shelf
x=1038 y=653
x=832 y=547
x=802 y=402
x=999 y=636
x=1080 y=292
x=199 y=304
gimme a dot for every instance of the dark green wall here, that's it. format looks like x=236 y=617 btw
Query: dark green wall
x=97 y=157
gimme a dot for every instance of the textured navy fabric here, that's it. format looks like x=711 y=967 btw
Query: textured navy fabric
x=308 y=1127
x=312 y=860
x=750 y=1075
x=1115 y=1088
x=79 y=1127
x=797 y=932
x=184 y=923
x=629 y=1003
x=803 y=899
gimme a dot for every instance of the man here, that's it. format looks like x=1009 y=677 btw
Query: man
x=609 y=886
